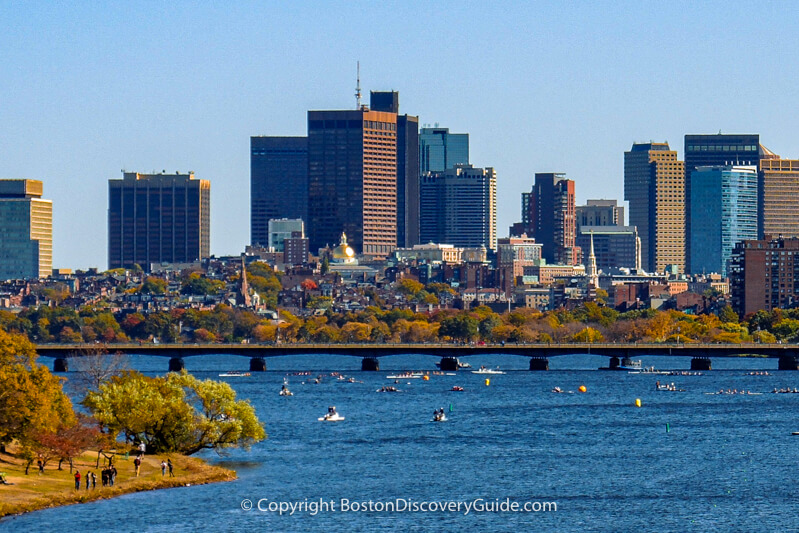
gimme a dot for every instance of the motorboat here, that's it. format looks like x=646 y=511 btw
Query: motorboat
x=456 y=388
x=460 y=365
x=286 y=392
x=234 y=374
x=484 y=370
x=439 y=417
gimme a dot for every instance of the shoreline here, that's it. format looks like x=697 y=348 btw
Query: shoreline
x=35 y=492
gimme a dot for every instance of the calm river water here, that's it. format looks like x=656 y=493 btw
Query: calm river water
x=727 y=462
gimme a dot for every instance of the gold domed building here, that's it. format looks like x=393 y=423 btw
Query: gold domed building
x=343 y=254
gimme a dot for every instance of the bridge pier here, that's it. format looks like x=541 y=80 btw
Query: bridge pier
x=788 y=362
x=370 y=364
x=614 y=363
x=257 y=364
x=60 y=364
x=449 y=364
x=700 y=363
x=176 y=364
x=539 y=363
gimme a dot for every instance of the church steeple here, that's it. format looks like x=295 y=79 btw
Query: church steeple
x=592 y=274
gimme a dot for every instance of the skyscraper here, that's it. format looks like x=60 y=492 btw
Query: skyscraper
x=352 y=179
x=550 y=215
x=407 y=167
x=715 y=150
x=278 y=182
x=764 y=274
x=724 y=212
x=778 y=203
x=26 y=230
x=158 y=218
x=459 y=207
x=440 y=150
x=654 y=185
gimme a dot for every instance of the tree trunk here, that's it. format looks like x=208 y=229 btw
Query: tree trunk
x=59 y=463
x=27 y=466
x=98 y=458
x=70 y=465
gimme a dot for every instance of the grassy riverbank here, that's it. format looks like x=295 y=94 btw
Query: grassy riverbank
x=55 y=487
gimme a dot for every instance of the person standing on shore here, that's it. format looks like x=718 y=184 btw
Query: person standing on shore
x=169 y=464
x=40 y=464
x=163 y=468
x=94 y=480
x=77 y=479
x=88 y=479
x=112 y=475
x=137 y=464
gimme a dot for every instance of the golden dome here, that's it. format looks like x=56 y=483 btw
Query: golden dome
x=343 y=253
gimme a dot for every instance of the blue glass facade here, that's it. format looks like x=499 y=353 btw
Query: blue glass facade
x=440 y=150
x=723 y=213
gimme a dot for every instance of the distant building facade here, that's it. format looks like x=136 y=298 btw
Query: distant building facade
x=352 y=179
x=281 y=229
x=764 y=274
x=654 y=186
x=600 y=213
x=778 y=203
x=459 y=207
x=408 y=173
x=278 y=182
x=440 y=150
x=26 y=230
x=714 y=150
x=549 y=214
x=723 y=213
x=158 y=218
x=515 y=253
x=614 y=246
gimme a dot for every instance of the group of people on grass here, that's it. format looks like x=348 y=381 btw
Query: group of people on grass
x=109 y=474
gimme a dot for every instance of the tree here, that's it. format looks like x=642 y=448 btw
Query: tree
x=461 y=327
x=176 y=413
x=31 y=398
x=153 y=285
x=728 y=315
x=588 y=335
x=96 y=366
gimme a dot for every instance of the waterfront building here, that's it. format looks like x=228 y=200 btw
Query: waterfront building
x=459 y=207
x=408 y=173
x=26 y=230
x=615 y=247
x=352 y=179
x=549 y=216
x=778 y=203
x=158 y=218
x=654 y=186
x=723 y=213
x=440 y=150
x=716 y=150
x=599 y=213
x=278 y=183
x=764 y=274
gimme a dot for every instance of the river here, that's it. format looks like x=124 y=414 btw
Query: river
x=683 y=461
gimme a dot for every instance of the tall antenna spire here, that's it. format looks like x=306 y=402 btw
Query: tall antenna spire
x=358 y=89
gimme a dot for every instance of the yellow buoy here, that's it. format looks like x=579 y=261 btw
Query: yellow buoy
x=582 y=388
x=638 y=402
x=426 y=378
x=488 y=382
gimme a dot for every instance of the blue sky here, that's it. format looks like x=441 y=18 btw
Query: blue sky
x=92 y=88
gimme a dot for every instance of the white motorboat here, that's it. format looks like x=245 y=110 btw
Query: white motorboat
x=286 y=392
x=440 y=417
x=484 y=370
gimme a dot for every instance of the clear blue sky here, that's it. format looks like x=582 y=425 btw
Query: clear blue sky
x=89 y=89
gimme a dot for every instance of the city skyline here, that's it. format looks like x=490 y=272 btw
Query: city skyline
x=554 y=89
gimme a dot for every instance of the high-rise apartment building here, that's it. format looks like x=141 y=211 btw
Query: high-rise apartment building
x=407 y=167
x=723 y=213
x=158 y=218
x=440 y=150
x=764 y=274
x=352 y=179
x=778 y=203
x=654 y=186
x=459 y=207
x=549 y=215
x=600 y=213
x=715 y=150
x=26 y=230
x=278 y=182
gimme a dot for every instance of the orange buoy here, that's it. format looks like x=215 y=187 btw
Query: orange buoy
x=582 y=388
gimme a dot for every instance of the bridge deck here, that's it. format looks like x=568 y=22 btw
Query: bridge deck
x=441 y=350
